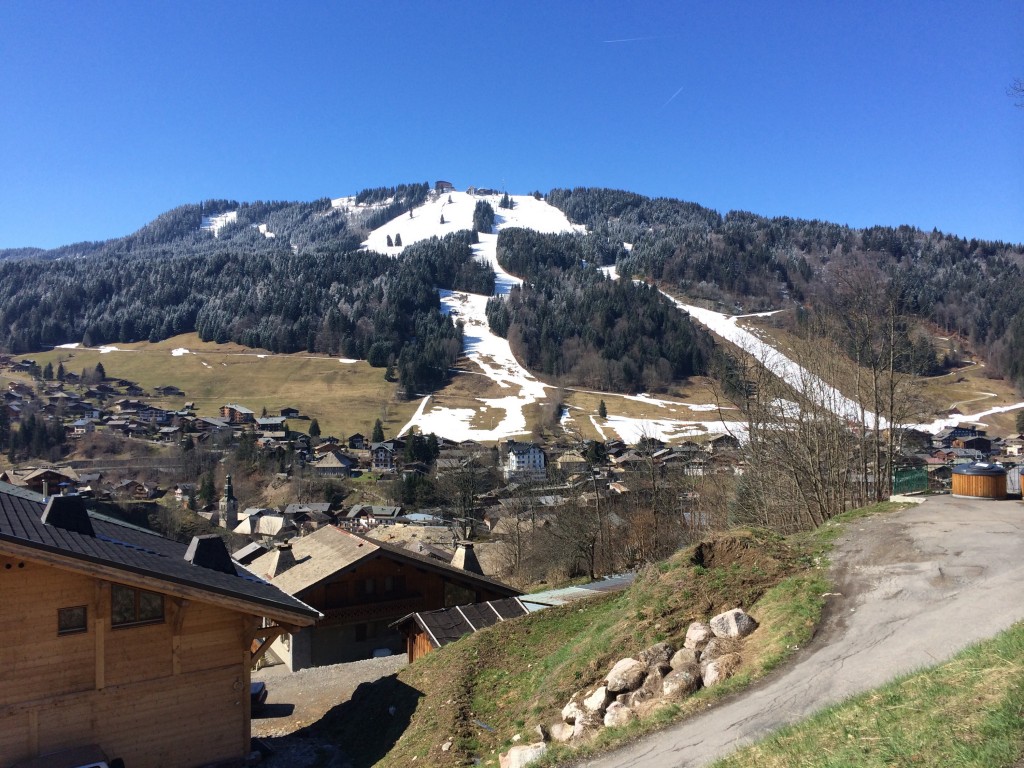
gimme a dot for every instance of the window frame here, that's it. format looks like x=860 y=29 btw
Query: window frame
x=137 y=599
x=77 y=630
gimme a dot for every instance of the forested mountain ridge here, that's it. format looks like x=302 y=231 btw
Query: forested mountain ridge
x=306 y=287
x=290 y=276
x=745 y=262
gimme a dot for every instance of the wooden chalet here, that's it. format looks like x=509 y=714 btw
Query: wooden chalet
x=114 y=636
x=426 y=630
x=362 y=587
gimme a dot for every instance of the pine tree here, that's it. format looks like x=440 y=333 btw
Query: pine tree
x=60 y=371
x=398 y=240
x=314 y=428
x=602 y=411
x=390 y=242
x=48 y=371
x=378 y=432
x=1020 y=422
x=101 y=373
x=442 y=218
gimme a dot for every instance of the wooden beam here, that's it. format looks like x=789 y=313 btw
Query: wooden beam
x=101 y=613
x=270 y=635
x=178 y=607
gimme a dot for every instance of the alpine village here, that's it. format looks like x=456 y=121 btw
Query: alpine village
x=439 y=475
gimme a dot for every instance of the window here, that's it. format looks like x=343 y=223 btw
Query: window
x=134 y=606
x=71 y=621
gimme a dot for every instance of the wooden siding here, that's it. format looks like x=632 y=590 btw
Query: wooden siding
x=171 y=694
x=980 y=486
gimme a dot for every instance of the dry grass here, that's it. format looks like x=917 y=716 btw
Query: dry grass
x=343 y=397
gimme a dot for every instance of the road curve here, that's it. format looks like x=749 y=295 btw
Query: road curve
x=916 y=586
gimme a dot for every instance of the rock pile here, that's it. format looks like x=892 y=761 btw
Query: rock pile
x=633 y=687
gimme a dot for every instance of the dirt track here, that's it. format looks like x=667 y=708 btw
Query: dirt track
x=915 y=587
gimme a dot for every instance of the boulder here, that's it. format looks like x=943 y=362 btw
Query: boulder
x=659 y=653
x=572 y=710
x=560 y=732
x=718 y=646
x=523 y=755
x=651 y=689
x=682 y=681
x=697 y=636
x=734 y=623
x=618 y=714
x=626 y=675
x=587 y=725
x=721 y=669
x=684 y=656
x=598 y=700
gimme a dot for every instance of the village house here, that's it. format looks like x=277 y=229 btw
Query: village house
x=117 y=637
x=361 y=587
x=383 y=456
x=234 y=413
x=523 y=461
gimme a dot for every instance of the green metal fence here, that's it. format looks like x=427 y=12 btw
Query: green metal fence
x=910 y=480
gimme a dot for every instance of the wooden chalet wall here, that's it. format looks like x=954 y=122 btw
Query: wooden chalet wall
x=168 y=694
x=356 y=621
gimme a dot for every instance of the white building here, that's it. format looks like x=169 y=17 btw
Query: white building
x=523 y=461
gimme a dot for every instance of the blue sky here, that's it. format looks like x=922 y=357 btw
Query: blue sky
x=861 y=113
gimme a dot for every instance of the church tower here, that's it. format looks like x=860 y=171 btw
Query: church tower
x=228 y=507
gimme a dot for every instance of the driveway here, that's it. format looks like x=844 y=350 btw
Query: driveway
x=915 y=587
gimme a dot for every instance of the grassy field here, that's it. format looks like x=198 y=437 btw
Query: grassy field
x=344 y=397
x=966 y=713
x=481 y=691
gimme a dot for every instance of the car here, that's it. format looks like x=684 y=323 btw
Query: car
x=257 y=696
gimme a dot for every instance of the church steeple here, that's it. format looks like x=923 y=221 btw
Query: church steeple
x=228 y=506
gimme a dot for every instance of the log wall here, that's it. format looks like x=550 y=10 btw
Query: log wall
x=168 y=694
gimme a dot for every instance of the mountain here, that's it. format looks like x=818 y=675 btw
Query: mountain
x=324 y=276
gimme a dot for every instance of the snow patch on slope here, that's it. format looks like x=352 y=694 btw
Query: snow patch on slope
x=216 y=223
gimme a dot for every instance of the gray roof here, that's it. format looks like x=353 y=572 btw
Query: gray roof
x=449 y=624
x=129 y=549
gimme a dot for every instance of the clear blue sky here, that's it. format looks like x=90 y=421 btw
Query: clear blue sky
x=856 y=112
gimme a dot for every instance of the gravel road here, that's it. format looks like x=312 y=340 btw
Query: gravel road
x=296 y=700
x=915 y=587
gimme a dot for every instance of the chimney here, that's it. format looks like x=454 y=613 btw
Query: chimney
x=281 y=559
x=210 y=552
x=68 y=513
x=465 y=558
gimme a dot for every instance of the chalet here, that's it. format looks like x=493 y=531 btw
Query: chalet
x=444 y=186
x=719 y=443
x=362 y=587
x=975 y=443
x=266 y=527
x=571 y=461
x=334 y=465
x=117 y=637
x=234 y=413
x=82 y=427
x=357 y=442
x=426 y=630
x=289 y=413
x=168 y=390
x=382 y=456
x=523 y=461
x=41 y=480
x=272 y=424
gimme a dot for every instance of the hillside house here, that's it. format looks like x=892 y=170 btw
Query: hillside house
x=362 y=587
x=523 y=461
x=383 y=456
x=115 y=636
x=334 y=464
x=233 y=413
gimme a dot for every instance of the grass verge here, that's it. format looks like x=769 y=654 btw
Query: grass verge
x=965 y=713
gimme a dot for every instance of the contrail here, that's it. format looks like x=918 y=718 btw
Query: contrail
x=673 y=96
x=637 y=39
